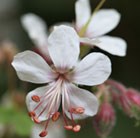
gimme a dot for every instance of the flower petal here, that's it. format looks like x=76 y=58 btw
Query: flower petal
x=89 y=41
x=103 y=22
x=94 y=69
x=63 y=46
x=51 y=28
x=113 y=45
x=80 y=98
x=32 y=68
x=83 y=13
x=31 y=105
x=42 y=92
x=35 y=27
x=37 y=31
x=55 y=130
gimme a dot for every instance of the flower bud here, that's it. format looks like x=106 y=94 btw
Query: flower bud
x=104 y=121
x=130 y=103
x=116 y=88
x=134 y=95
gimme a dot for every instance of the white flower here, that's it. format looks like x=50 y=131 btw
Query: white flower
x=37 y=31
x=43 y=103
x=102 y=22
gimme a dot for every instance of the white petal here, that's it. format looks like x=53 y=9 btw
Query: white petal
x=114 y=45
x=103 y=22
x=81 y=98
x=55 y=130
x=83 y=12
x=94 y=69
x=61 y=23
x=37 y=31
x=32 y=68
x=89 y=41
x=63 y=46
x=35 y=27
x=31 y=105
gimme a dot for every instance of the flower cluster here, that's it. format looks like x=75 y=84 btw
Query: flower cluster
x=56 y=63
x=128 y=99
x=109 y=93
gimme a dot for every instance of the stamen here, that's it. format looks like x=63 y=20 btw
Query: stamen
x=68 y=103
x=32 y=114
x=69 y=127
x=80 y=110
x=65 y=120
x=43 y=110
x=36 y=120
x=36 y=98
x=47 y=122
x=55 y=116
x=44 y=97
x=76 y=128
x=72 y=119
x=72 y=110
x=43 y=133
x=41 y=102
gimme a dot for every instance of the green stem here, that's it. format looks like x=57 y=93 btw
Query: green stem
x=84 y=28
x=99 y=6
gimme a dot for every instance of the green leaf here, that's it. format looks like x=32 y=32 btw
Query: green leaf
x=17 y=118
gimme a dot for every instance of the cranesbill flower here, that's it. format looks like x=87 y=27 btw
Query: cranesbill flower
x=92 y=28
x=43 y=103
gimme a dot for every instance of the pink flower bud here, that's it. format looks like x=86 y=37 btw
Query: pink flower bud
x=130 y=103
x=115 y=88
x=134 y=95
x=104 y=121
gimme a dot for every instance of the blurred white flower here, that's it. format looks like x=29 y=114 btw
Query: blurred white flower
x=92 y=28
x=43 y=103
x=37 y=31
x=92 y=33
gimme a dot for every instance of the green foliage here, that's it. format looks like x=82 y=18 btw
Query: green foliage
x=136 y=112
x=18 y=119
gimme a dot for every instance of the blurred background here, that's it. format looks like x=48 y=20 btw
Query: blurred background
x=13 y=39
